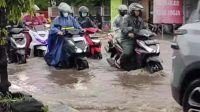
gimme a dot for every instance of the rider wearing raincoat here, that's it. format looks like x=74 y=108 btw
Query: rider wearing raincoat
x=56 y=55
x=131 y=24
x=84 y=20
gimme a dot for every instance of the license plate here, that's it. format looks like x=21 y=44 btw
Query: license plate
x=93 y=35
x=22 y=51
x=18 y=35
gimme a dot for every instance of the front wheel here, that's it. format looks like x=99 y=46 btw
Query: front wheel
x=82 y=65
x=191 y=99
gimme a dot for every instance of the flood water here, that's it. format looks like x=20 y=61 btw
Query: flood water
x=98 y=89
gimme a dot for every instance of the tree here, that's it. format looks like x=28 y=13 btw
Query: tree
x=83 y=2
x=10 y=10
x=43 y=4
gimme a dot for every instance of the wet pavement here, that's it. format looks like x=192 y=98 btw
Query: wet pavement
x=98 y=89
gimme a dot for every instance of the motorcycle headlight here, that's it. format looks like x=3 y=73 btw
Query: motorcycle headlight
x=71 y=43
x=78 y=50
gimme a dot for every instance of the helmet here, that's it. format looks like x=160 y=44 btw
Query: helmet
x=71 y=11
x=123 y=8
x=135 y=6
x=83 y=9
x=64 y=7
x=35 y=8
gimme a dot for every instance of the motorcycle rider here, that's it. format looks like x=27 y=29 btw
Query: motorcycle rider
x=131 y=24
x=117 y=24
x=29 y=20
x=58 y=47
x=84 y=20
x=36 y=19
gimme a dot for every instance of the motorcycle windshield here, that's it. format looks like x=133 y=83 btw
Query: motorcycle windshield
x=145 y=33
x=39 y=27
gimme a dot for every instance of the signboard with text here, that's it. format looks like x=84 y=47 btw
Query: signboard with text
x=168 y=11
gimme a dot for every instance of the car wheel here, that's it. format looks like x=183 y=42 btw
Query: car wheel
x=191 y=99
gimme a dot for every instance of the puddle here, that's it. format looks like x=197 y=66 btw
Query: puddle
x=71 y=78
x=140 y=79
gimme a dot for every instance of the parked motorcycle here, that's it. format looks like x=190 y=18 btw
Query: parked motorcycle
x=39 y=35
x=147 y=51
x=17 y=44
x=94 y=43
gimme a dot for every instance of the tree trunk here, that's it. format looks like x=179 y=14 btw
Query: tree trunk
x=4 y=84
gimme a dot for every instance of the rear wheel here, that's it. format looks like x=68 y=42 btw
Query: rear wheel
x=21 y=59
x=160 y=66
x=85 y=64
x=150 y=67
x=99 y=56
x=191 y=99
x=82 y=65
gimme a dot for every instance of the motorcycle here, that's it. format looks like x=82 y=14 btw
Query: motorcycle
x=17 y=44
x=147 y=51
x=94 y=43
x=78 y=46
x=39 y=35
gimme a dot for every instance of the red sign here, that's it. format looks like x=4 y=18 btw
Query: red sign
x=168 y=11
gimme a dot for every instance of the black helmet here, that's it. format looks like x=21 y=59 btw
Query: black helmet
x=83 y=9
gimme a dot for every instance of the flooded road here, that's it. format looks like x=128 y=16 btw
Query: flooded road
x=98 y=89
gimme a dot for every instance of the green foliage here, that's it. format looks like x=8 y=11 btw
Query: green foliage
x=42 y=4
x=14 y=9
x=8 y=99
x=45 y=109
x=81 y=2
x=78 y=2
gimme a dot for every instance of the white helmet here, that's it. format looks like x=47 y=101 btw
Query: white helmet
x=64 y=7
x=35 y=7
x=71 y=11
x=135 y=6
x=123 y=8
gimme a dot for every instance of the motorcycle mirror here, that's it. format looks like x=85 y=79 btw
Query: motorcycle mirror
x=8 y=26
x=47 y=25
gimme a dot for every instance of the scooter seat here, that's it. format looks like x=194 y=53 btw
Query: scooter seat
x=16 y=30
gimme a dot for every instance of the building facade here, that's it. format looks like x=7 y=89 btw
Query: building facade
x=148 y=7
x=191 y=11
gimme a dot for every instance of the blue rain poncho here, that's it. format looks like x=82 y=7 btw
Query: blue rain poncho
x=55 y=53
